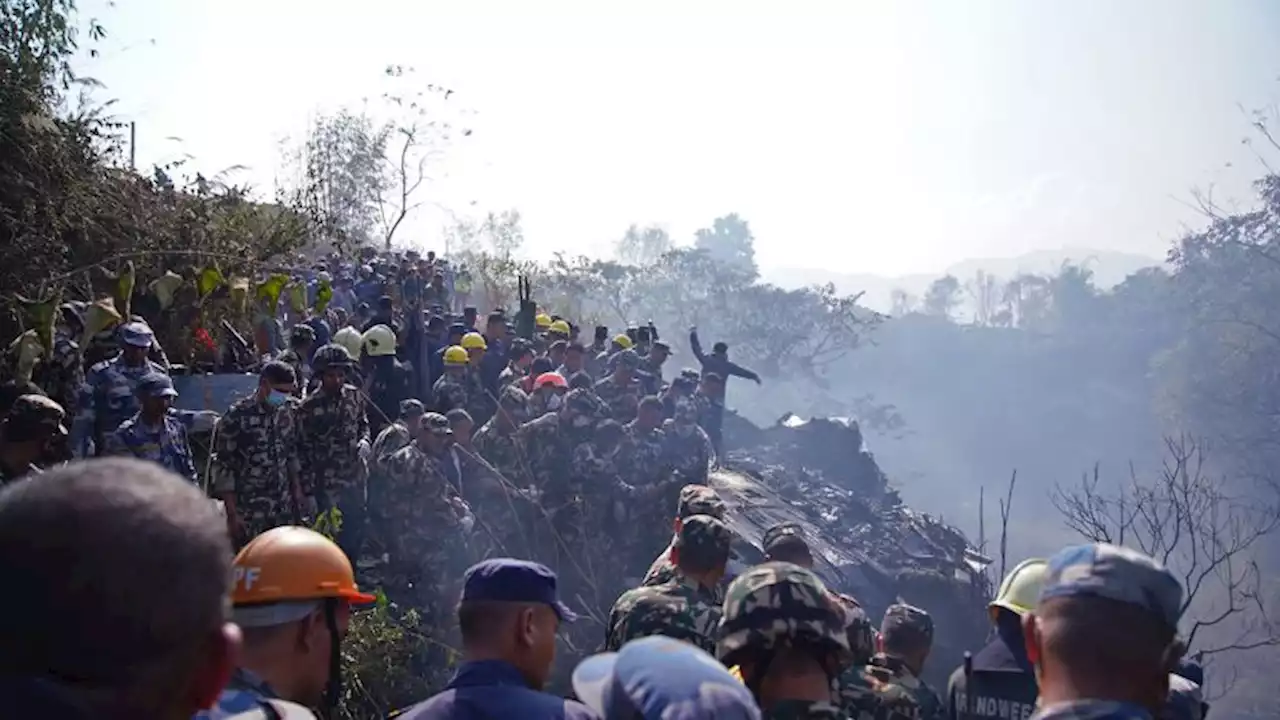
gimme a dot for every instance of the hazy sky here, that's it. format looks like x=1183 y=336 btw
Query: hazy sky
x=886 y=137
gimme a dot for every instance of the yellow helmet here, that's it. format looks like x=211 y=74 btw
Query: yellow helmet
x=378 y=341
x=559 y=326
x=623 y=341
x=1020 y=591
x=349 y=338
x=543 y=321
x=455 y=355
x=474 y=341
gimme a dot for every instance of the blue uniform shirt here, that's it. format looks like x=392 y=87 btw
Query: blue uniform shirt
x=106 y=400
x=494 y=690
x=164 y=444
x=1092 y=710
x=244 y=692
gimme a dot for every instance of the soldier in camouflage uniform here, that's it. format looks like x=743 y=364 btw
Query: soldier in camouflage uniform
x=108 y=396
x=694 y=500
x=158 y=432
x=301 y=340
x=785 y=542
x=391 y=440
x=451 y=388
x=643 y=451
x=496 y=440
x=255 y=457
x=685 y=607
x=26 y=433
x=621 y=390
x=426 y=521
x=334 y=447
x=688 y=447
x=889 y=687
x=779 y=620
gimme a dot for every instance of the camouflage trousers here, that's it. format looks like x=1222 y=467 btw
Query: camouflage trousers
x=350 y=501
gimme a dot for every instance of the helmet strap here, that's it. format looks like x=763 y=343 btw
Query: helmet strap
x=333 y=691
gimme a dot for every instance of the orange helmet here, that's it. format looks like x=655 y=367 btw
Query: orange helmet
x=290 y=564
x=554 y=379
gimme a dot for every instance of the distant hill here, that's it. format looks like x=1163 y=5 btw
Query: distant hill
x=1110 y=268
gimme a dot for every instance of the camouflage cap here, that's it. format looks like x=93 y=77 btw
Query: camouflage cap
x=412 y=408
x=513 y=398
x=155 y=385
x=137 y=334
x=624 y=358
x=299 y=333
x=1114 y=573
x=776 y=602
x=699 y=500
x=907 y=618
x=33 y=417
x=784 y=533
x=584 y=401
x=703 y=539
x=436 y=424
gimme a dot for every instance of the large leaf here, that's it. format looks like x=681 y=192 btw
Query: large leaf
x=164 y=288
x=27 y=349
x=298 y=297
x=100 y=315
x=239 y=287
x=122 y=291
x=267 y=293
x=207 y=280
x=41 y=316
x=324 y=295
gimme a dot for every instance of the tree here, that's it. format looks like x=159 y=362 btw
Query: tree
x=984 y=288
x=1209 y=538
x=942 y=297
x=643 y=246
x=1025 y=301
x=902 y=302
x=729 y=241
x=1073 y=293
x=365 y=172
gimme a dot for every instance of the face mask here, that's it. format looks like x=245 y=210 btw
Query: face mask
x=275 y=398
x=553 y=402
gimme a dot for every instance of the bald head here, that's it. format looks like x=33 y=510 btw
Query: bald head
x=117 y=573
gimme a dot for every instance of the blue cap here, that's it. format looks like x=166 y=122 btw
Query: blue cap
x=458 y=328
x=659 y=678
x=1114 y=573
x=510 y=580
x=136 y=334
x=156 y=384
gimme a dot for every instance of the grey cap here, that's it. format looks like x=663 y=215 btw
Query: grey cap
x=1114 y=573
x=137 y=334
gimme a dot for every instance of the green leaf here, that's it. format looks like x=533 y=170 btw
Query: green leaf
x=268 y=291
x=324 y=295
x=207 y=280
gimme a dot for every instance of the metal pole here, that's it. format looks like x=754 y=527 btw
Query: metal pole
x=133 y=145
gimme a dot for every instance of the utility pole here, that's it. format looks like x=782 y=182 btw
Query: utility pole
x=133 y=145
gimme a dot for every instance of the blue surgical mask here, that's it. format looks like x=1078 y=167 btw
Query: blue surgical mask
x=275 y=398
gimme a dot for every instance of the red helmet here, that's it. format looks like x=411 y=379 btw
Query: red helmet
x=554 y=379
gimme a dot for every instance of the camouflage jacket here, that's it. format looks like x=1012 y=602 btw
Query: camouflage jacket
x=106 y=400
x=861 y=635
x=502 y=450
x=886 y=689
x=643 y=454
x=802 y=710
x=301 y=371
x=392 y=438
x=331 y=429
x=688 y=451
x=448 y=393
x=678 y=609
x=255 y=458
x=420 y=519
x=480 y=404
x=1092 y=710
x=549 y=450
x=623 y=400
x=662 y=570
x=62 y=375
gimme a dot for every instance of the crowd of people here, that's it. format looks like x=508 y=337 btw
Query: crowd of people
x=127 y=602
x=439 y=444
